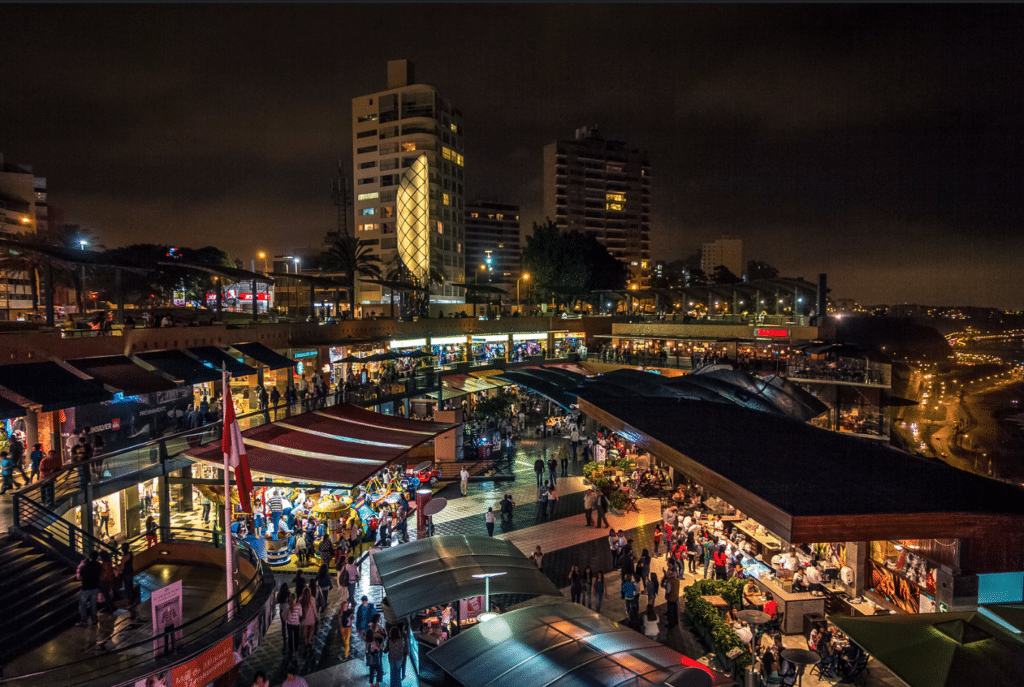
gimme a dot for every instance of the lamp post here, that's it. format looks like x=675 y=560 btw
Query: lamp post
x=82 y=243
x=476 y=298
x=263 y=256
x=526 y=276
x=295 y=287
x=487 y=615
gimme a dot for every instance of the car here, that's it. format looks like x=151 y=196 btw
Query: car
x=429 y=474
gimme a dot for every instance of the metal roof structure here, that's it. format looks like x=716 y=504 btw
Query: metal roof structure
x=439 y=570
x=555 y=645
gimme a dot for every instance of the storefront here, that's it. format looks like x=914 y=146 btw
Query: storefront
x=527 y=345
x=490 y=347
x=568 y=342
x=448 y=350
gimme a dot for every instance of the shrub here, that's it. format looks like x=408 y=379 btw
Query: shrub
x=704 y=614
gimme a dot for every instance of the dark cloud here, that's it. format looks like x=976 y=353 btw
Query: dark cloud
x=880 y=144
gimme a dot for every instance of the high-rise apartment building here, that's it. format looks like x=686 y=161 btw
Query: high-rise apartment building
x=602 y=188
x=23 y=209
x=492 y=241
x=726 y=251
x=391 y=130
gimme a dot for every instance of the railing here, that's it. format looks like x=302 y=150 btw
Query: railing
x=743 y=320
x=68 y=541
x=142 y=652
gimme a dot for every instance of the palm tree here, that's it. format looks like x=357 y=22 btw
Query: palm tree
x=33 y=255
x=354 y=258
x=73 y=237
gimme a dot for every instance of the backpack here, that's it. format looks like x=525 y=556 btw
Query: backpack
x=343 y=578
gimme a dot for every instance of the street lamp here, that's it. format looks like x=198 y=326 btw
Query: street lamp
x=295 y=287
x=82 y=243
x=526 y=276
x=263 y=256
x=487 y=615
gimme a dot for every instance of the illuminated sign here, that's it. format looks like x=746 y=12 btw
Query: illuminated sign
x=771 y=332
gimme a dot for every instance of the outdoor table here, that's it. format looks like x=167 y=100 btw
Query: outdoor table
x=718 y=602
x=801 y=658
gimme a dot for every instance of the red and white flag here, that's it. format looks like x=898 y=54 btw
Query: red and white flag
x=234 y=451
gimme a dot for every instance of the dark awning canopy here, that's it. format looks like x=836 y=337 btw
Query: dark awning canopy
x=438 y=570
x=9 y=409
x=557 y=644
x=216 y=357
x=179 y=366
x=119 y=373
x=342 y=445
x=262 y=354
x=50 y=386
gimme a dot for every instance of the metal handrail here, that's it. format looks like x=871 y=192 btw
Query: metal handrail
x=191 y=630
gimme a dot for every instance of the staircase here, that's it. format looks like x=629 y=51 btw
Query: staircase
x=38 y=594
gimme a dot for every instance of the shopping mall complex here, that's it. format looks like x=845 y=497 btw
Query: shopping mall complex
x=766 y=428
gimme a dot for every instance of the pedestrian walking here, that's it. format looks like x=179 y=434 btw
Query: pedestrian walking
x=489 y=519
x=293 y=620
x=657 y=538
x=374 y=658
x=553 y=470
x=35 y=459
x=283 y=595
x=588 y=506
x=588 y=586
x=538 y=558
x=345 y=627
x=542 y=498
x=651 y=581
x=464 y=480
x=598 y=591
x=7 y=471
x=538 y=467
x=395 y=650
x=563 y=458
x=507 y=504
x=601 y=503
x=671 y=585
x=628 y=590
x=575 y=585
x=89 y=572
x=613 y=546
x=552 y=500
x=309 y=617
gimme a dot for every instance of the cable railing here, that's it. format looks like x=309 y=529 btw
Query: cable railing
x=131 y=656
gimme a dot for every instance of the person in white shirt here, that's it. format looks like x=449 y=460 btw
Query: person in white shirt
x=687 y=521
x=792 y=563
x=813 y=578
x=719 y=525
x=464 y=483
x=744 y=633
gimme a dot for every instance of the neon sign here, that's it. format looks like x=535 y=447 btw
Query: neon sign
x=772 y=332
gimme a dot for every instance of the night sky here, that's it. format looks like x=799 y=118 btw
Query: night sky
x=882 y=144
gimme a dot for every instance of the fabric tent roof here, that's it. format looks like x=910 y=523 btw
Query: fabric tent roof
x=50 y=386
x=179 y=366
x=942 y=649
x=260 y=353
x=120 y=373
x=339 y=445
x=555 y=645
x=214 y=357
x=438 y=570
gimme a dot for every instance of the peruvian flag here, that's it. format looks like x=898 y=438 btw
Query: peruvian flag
x=234 y=450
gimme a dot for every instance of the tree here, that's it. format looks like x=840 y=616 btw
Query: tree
x=758 y=270
x=160 y=280
x=723 y=275
x=566 y=265
x=354 y=258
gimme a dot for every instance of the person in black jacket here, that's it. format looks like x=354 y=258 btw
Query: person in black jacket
x=89 y=574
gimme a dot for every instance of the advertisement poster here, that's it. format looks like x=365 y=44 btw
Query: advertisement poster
x=472 y=607
x=600 y=453
x=928 y=604
x=127 y=421
x=205 y=668
x=167 y=610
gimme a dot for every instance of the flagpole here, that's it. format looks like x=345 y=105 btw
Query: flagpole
x=228 y=544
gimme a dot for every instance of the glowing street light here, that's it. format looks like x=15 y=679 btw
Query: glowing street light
x=526 y=277
x=487 y=593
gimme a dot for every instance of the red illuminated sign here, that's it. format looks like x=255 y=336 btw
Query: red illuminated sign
x=771 y=332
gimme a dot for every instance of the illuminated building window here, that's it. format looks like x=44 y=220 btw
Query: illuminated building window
x=440 y=227
x=612 y=197
x=446 y=153
x=615 y=207
x=367 y=196
x=387 y=211
x=500 y=216
x=367 y=118
x=474 y=215
x=368 y=211
x=446 y=199
x=409 y=147
x=368 y=227
x=449 y=154
x=454 y=127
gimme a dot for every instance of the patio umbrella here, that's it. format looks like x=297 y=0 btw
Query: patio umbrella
x=943 y=649
x=350 y=359
x=375 y=358
x=390 y=355
x=421 y=354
